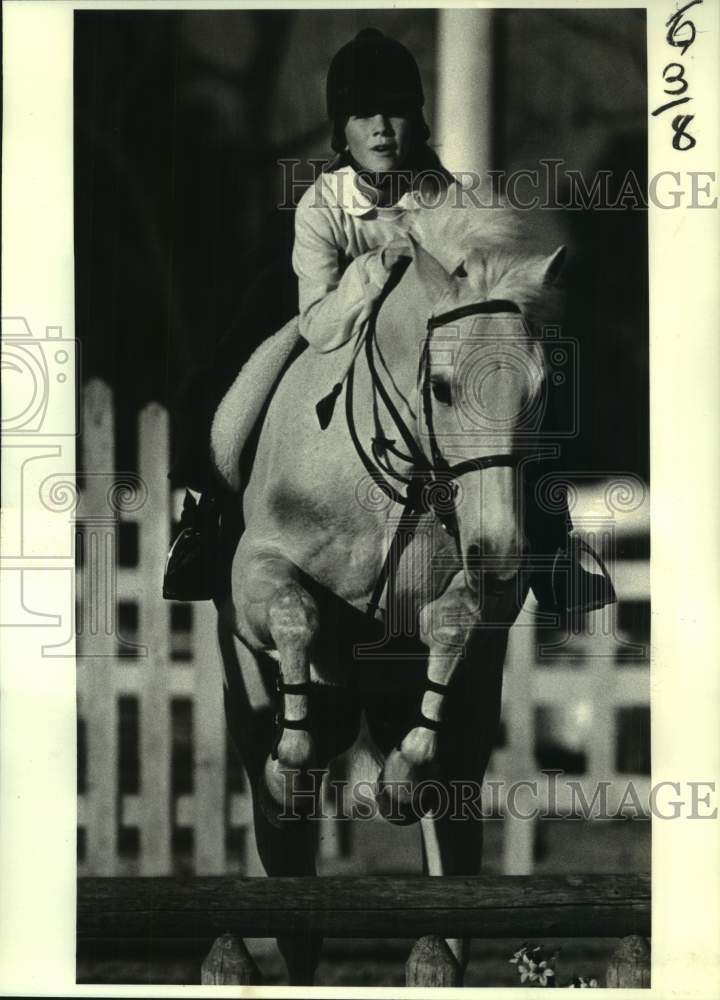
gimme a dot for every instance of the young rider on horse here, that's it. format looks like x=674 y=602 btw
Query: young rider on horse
x=349 y=233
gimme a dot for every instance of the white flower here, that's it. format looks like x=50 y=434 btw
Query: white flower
x=545 y=973
x=536 y=969
x=583 y=984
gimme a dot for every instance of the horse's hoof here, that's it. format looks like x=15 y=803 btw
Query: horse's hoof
x=396 y=805
x=289 y=794
x=405 y=789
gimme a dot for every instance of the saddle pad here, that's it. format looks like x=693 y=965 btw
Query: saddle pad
x=243 y=403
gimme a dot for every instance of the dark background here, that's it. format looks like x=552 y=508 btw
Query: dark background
x=180 y=119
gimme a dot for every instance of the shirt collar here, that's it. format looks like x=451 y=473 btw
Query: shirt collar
x=343 y=191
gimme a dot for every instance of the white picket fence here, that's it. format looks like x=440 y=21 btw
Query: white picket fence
x=584 y=683
x=156 y=794
x=131 y=830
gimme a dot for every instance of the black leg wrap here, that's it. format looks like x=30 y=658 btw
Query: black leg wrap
x=437 y=688
x=421 y=719
x=283 y=688
x=281 y=722
x=434 y=724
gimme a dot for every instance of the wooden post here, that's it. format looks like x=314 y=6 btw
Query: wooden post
x=156 y=675
x=209 y=746
x=229 y=963
x=630 y=965
x=431 y=963
x=465 y=56
x=97 y=634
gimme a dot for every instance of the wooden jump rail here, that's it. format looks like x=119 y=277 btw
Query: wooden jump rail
x=429 y=908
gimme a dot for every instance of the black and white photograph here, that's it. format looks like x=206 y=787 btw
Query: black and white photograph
x=355 y=487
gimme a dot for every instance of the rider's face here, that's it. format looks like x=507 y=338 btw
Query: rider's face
x=378 y=142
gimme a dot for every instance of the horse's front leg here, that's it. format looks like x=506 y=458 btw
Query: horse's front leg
x=452 y=836
x=276 y=612
x=447 y=626
x=292 y=620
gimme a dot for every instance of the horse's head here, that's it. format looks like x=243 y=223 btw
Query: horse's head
x=480 y=390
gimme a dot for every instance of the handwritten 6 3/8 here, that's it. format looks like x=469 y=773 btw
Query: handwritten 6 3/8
x=681 y=35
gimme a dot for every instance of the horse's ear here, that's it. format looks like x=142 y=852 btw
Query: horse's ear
x=552 y=267
x=432 y=274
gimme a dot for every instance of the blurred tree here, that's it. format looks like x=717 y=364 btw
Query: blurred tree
x=571 y=86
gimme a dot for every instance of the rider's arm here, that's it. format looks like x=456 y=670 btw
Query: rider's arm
x=333 y=304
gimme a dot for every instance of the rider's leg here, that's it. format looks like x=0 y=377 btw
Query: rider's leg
x=570 y=578
x=192 y=566
x=190 y=570
x=267 y=302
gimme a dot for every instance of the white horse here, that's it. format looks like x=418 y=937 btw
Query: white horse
x=410 y=501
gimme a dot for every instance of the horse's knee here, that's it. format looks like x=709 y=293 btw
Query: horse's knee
x=292 y=616
x=445 y=622
x=292 y=622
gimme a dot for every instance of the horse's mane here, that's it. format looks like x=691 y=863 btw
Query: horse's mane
x=495 y=244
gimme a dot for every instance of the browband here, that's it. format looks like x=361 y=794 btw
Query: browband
x=474 y=309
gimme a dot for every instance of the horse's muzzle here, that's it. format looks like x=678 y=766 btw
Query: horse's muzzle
x=493 y=563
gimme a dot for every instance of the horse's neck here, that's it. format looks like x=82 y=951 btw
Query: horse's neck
x=400 y=331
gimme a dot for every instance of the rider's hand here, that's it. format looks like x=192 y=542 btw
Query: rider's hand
x=394 y=250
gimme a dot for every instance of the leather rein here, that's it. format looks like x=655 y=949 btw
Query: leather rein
x=431 y=486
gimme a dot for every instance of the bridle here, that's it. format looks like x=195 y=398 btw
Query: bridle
x=432 y=484
x=438 y=462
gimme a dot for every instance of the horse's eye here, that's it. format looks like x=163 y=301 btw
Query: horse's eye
x=460 y=271
x=441 y=392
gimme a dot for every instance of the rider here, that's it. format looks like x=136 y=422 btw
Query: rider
x=348 y=235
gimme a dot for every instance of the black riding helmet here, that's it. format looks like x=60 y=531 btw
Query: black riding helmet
x=373 y=73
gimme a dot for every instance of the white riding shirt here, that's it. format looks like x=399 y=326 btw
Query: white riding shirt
x=339 y=238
